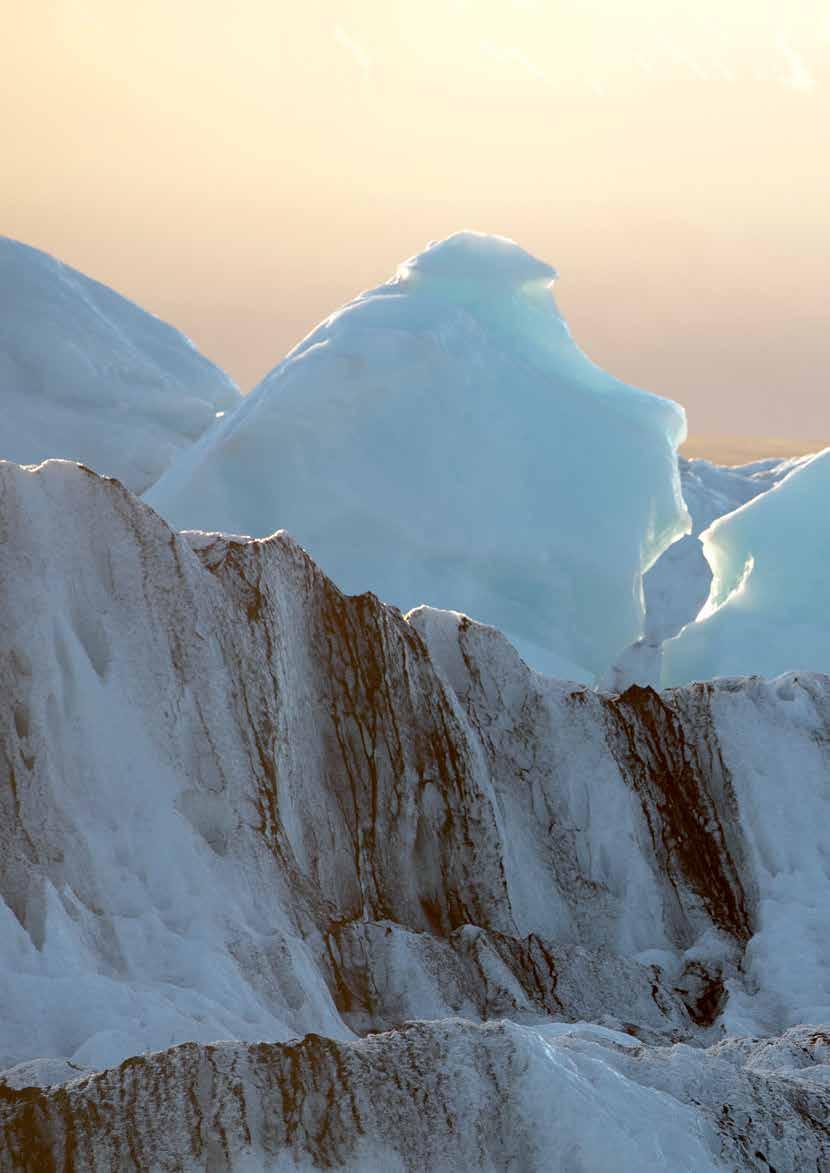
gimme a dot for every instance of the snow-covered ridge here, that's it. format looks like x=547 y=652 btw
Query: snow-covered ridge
x=87 y=375
x=238 y=804
x=442 y=440
x=439 y=1096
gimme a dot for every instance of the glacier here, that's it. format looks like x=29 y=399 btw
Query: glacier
x=766 y=611
x=88 y=375
x=291 y=881
x=442 y=440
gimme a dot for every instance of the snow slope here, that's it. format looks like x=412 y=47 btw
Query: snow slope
x=86 y=374
x=767 y=607
x=441 y=439
x=239 y=805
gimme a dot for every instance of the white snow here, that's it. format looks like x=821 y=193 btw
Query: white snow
x=631 y=1127
x=767 y=607
x=142 y=923
x=442 y=440
x=783 y=791
x=87 y=375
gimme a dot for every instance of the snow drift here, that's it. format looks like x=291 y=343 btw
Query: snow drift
x=442 y=440
x=767 y=607
x=86 y=374
x=237 y=804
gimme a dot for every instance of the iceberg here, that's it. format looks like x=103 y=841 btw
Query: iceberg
x=677 y=586
x=442 y=440
x=766 y=612
x=87 y=375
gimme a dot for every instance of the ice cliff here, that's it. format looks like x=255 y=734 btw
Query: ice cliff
x=442 y=440
x=88 y=375
x=238 y=805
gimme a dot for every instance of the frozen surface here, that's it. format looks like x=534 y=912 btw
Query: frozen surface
x=766 y=611
x=442 y=440
x=88 y=375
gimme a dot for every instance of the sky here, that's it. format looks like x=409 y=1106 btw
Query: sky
x=242 y=169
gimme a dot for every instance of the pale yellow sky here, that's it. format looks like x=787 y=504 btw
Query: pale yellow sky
x=242 y=169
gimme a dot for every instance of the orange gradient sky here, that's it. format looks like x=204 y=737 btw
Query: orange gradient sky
x=241 y=169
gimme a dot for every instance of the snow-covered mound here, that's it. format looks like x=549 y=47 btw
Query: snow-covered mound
x=442 y=440
x=766 y=611
x=86 y=374
x=236 y=804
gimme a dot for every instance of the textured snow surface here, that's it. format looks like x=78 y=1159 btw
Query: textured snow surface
x=767 y=607
x=442 y=440
x=239 y=805
x=88 y=375
x=440 y=1096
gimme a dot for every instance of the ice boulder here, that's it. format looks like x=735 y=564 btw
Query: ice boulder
x=767 y=606
x=442 y=440
x=87 y=375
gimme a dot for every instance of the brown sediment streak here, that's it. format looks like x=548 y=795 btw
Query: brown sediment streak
x=671 y=759
x=491 y=975
x=387 y=731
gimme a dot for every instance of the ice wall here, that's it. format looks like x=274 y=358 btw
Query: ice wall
x=767 y=607
x=87 y=375
x=442 y=440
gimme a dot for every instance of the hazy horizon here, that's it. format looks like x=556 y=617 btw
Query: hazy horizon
x=242 y=173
